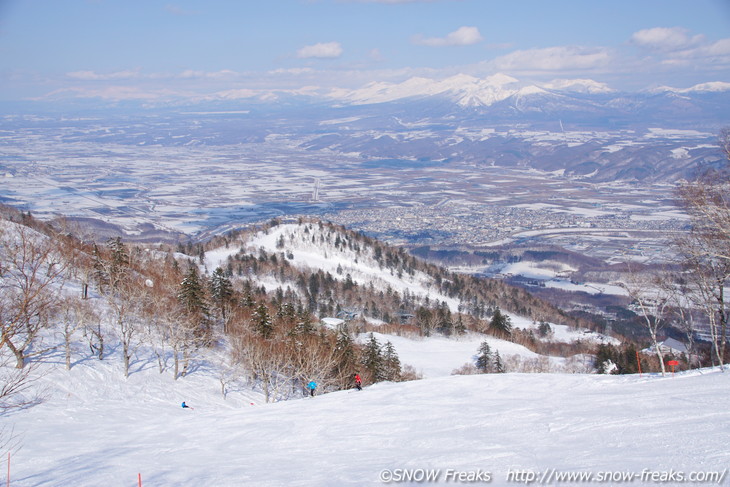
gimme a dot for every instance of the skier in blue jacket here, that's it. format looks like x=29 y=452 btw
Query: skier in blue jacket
x=312 y=386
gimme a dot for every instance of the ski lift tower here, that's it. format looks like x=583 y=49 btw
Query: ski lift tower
x=315 y=193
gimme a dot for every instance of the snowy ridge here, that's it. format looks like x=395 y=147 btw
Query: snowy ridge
x=465 y=90
x=710 y=87
x=362 y=266
x=306 y=246
x=322 y=254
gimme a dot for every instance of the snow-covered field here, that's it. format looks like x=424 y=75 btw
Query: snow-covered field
x=439 y=356
x=96 y=429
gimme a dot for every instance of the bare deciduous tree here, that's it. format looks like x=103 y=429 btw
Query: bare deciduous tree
x=706 y=250
x=75 y=314
x=315 y=358
x=17 y=385
x=679 y=292
x=646 y=291
x=33 y=275
x=269 y=362
x=126 y=295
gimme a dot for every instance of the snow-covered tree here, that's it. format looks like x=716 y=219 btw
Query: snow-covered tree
x=262 y=321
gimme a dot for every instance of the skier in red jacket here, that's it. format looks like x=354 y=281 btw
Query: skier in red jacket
x=358 y=382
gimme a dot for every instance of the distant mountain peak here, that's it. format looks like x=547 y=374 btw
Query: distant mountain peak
x=465 y=90
x=709 y=87
x=579 y=85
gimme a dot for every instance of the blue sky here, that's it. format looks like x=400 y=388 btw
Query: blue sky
x=151 y=49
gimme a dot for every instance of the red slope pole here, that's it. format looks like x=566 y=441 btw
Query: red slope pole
x=139 y=479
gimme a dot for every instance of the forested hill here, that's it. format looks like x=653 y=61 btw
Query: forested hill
x=288 y=302
x=330 y=270
x=327 y=270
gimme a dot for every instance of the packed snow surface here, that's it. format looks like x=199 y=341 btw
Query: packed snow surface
x=96 y=429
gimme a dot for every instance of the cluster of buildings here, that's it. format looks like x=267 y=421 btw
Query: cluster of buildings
x=484 y=225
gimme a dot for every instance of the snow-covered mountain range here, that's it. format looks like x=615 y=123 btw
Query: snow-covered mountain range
x=464 y=90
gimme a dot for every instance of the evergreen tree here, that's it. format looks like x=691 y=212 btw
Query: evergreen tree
x=372 y=359
x=498 y=365
x=347 y=362
x=349 y=283
x=119 y=254
x=304 y=323
x=221 y=291
x=500 y=324
x=544 y=329
x=604 y=353
x=192 y=297
x=110 y=273
x=459 y=327
x=262 y=321
x=247 y=300
x=391 y=363
x=192 y=294
x=484 y=358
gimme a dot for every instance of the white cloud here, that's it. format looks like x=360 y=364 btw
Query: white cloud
x=376 y=55
x=665 y=39
x=676 y=47
x=115 y=93
x=137 y=74
x=562 y=58
x=94 y=76
x=291 y=71
x=719 y=48
x=321 y=50
x=463 y=36
x=193 y=74
x=709 y=56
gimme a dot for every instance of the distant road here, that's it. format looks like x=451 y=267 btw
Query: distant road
x=553 y=231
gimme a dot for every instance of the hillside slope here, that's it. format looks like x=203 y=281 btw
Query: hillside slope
x=92 y=431
x=383 y=281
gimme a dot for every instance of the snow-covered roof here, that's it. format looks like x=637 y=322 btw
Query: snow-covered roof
x=671 y=345
x=674 y=345
x=332 y=322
